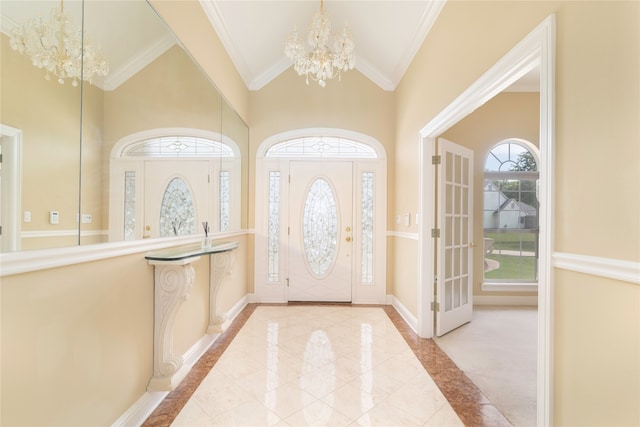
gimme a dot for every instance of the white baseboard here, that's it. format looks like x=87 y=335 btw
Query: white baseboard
x=149 y=401
x=408 y=317
x=233 y=312
x=505 y=300
x=140 y=411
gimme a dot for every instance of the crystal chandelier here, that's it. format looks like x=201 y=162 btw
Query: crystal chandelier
x=322 y=62
x=59 y=48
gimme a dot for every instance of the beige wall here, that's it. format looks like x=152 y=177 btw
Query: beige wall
x=47 y=113
x=77 y=341
x=597 y=106
x=508 y=115
x=81 y=334
x=187 y=20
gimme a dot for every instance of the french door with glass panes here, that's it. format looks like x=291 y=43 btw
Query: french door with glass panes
x=454 y=290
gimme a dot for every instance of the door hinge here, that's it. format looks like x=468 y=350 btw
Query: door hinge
x=288 y=231
x=289 y=178
x=436 y=160
x=435 y=306
x=208 y=179
x=435 y=232
x=0 y=158
x=287 y=279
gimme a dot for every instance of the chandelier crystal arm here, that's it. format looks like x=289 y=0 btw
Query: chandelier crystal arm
x=325 y=59
x=58 y=48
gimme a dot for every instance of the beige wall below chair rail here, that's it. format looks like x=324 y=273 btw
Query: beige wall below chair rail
x=83 y=333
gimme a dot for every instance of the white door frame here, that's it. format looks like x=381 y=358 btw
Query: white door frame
x=11 y=188
x=537 y=49
x=276 y=290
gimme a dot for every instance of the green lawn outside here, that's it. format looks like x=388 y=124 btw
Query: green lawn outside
x=513 y=267
x=512 y=241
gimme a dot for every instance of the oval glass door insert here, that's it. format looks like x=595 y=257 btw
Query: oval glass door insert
x=320 y=228
x=177 y=213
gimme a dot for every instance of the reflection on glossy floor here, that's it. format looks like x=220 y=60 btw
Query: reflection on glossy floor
x=336 y=365
x=498 y=352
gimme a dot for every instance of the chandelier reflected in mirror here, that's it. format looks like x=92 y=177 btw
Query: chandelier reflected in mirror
x=59 y=48
x=324 y=61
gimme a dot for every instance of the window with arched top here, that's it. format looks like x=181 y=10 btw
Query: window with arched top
x=177 y=146
x=201 y=172
x=322 y=147
x=511 y=213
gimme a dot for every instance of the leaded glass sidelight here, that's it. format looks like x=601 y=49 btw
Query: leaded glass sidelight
x=177 y=212
x=274 y=226
x=129 y=205
x=224 y=200
x=320 y=228
x=367 y=228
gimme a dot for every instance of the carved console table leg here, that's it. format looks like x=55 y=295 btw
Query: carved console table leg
x=173 y=281
x=220 y=268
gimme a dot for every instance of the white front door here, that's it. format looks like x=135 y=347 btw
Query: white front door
x=455 y=246
x=177 y=198
x=320 y=231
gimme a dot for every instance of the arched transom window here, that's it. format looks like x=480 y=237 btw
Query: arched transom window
x=178 y=146
x=322 y=147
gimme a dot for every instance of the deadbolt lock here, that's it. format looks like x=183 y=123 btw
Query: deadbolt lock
x=348 y=228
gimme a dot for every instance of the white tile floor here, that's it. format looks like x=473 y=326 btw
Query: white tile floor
x=318 y=365
x=498 y=352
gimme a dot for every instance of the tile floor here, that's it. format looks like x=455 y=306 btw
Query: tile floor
x=338 y=365
x=497 y=350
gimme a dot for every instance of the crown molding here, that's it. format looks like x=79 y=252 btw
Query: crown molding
x=130 y=68
x=212 y=11
x=427 y=20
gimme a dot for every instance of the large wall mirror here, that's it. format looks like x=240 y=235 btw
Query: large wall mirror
x=133 y=142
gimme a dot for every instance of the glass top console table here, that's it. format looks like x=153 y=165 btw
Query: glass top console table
x=173 y=278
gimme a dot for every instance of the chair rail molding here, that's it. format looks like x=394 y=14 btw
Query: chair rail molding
x=626 y=271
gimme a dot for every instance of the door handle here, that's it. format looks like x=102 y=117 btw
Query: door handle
x=348 y=238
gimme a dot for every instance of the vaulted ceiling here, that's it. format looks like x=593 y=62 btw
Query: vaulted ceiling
x=387 y=33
